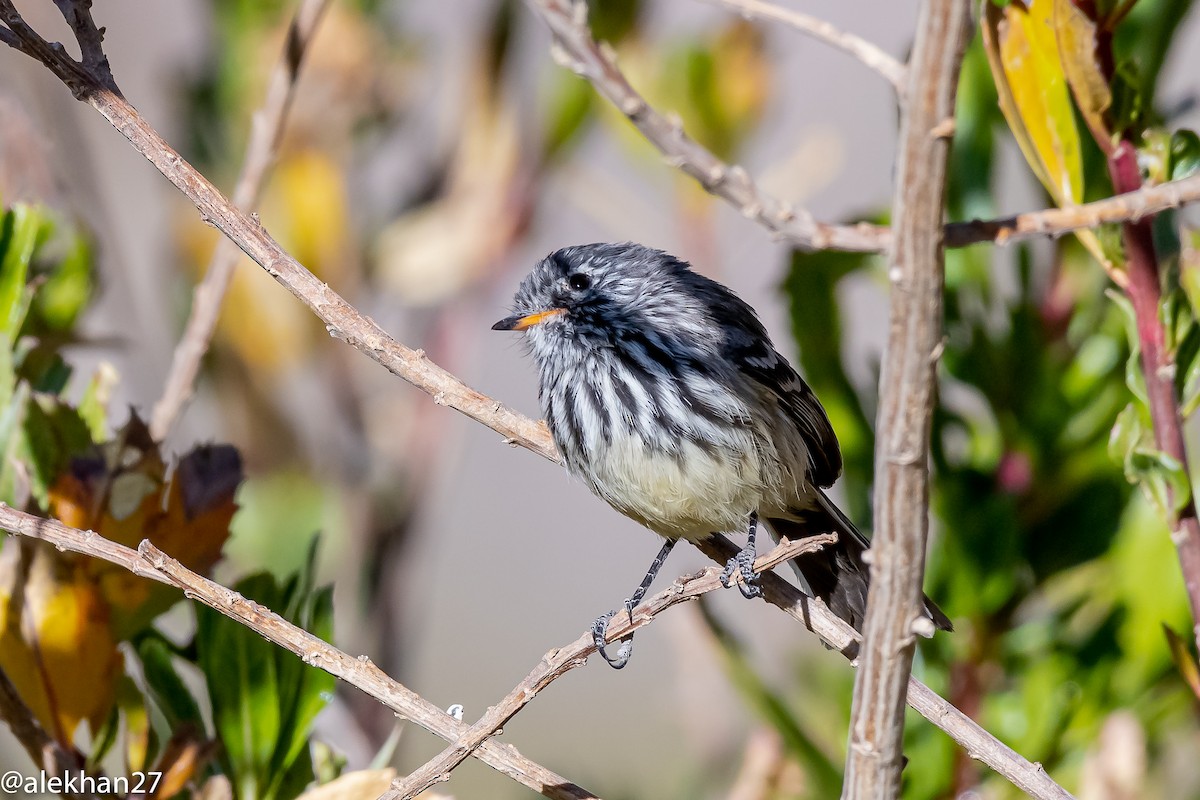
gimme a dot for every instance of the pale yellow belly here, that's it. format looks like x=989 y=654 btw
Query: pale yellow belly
x=714 y=492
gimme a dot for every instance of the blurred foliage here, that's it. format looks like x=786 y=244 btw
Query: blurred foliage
x=1060 y=577
x=78 y=638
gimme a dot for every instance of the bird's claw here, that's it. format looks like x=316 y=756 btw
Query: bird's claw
x=599 y=634
x=743 y=564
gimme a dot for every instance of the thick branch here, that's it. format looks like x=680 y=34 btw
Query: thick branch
x=265 y=132
x=558 y=662
x=866 y=52
x=149 y=562
x=45 y=752
x=907 y=397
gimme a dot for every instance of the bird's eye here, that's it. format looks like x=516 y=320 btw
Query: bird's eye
x=579 y=281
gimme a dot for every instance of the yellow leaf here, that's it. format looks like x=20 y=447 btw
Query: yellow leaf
x=365 y=784
x=1023 y=52
x=1077 y=51
x=56 y=640
x=1022 y=47
x=119 y=492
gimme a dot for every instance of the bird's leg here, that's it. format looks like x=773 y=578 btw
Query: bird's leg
x=743 y=562
x=600 y=626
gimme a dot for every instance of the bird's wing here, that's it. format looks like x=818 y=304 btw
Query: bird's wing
x=747 y=344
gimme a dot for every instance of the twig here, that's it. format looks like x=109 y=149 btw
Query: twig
x=907 y=397
x=265 y=132
x=149 y=562
x=576 y=50
x=866 y=52
x=979 y=744
x=341 y=319
x=41 y=747
x=359 y=672
x=560 y=661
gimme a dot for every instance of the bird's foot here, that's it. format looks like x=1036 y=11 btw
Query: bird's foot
x=599 y=634
x=743 y=564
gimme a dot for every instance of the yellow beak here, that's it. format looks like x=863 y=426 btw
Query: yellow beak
x=527 y=321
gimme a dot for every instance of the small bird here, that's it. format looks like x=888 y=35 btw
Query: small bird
x=665 y=395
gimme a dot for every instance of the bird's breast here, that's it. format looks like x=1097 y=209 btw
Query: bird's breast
x=689 y=492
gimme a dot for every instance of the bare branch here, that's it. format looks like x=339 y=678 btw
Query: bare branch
x=41 y=747
x=907 y=397
x=78 y=14
x=341 y=319
x=1130 y=206
x=149 y=562
x=575 y=46
x=980 y=745
x=866 y=52
x=558 y=662
x=265 y=132
x=578 y=51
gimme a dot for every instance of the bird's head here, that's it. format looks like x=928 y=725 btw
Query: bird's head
x=591 y=293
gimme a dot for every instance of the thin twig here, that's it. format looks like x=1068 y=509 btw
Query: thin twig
x=906 y=399
x=265 y=132
x=341 y=319
x=869 y=54
x=149 y=562
x=1029 y=777
x=46 y=753
x=561 y=660
x=577 y=50
x=359 y=672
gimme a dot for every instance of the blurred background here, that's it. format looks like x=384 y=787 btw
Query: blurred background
x=434 y=153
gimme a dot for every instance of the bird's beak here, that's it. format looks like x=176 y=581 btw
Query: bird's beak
x=520 y=323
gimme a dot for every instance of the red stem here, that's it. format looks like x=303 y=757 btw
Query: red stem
x=1158 y=367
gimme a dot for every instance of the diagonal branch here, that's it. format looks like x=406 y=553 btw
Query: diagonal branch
x=149 y=562
x=265 y=132
x=869 y=54
x=558 y=662
x=907 y=397
x=341 y=319
x=578 y=50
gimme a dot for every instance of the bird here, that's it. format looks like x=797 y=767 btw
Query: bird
x=665 y=395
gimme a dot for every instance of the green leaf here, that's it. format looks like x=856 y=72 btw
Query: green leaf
x=19 y=229
x=1185 y=154
x=239 y=670
x=1163 y=478
x=264 y=698
x=166 y=687
x=1185 y=662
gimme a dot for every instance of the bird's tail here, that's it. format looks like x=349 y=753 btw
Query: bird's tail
x=838 y=575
